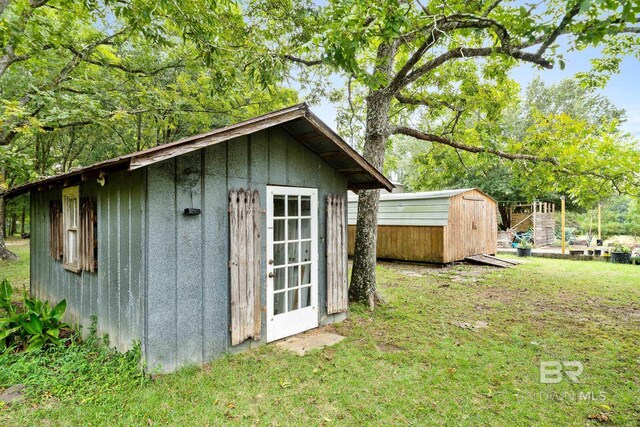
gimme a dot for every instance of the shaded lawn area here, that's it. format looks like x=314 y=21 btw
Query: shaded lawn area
x=17 y=271
x=412 y=362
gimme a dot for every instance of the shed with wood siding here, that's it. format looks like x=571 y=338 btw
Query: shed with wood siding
x=436 y=226
x=199 y=247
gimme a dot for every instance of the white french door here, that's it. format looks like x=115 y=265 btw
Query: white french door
x=292 y=261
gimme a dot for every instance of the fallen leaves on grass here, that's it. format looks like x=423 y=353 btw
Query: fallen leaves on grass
x=601 y=417
x=479 y=324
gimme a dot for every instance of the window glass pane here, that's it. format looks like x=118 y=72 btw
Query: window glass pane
x=278 y=303
x=294 y=279
x=293 y=253
x=72 y=212
x=305 y=251
x=278 y=278
x=278 y=230
x=306 y=273
x=305 y=206
x=293 y=229
x=72 y=247
x=278 y=205
x=305 y=296
x=278 y=254
x=293 y=206
x=293 y=300
x=305 y=228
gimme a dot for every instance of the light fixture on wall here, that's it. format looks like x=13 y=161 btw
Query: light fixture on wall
x=101 y=179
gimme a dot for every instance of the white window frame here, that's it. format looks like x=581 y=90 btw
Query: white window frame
x=71 y=246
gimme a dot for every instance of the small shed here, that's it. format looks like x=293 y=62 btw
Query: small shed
x=536 y=218
x=206 y=245
x=435 y=226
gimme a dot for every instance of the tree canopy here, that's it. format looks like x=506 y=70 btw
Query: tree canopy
x=423 y=68
x=575 y=125
x=85 y=81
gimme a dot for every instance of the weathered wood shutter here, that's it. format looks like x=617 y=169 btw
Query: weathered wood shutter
x=244 y=264
x=56 y=248
x=337 y=290
x=88 y=243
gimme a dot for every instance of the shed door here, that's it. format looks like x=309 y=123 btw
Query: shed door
x=292 y=261
x=476 y=225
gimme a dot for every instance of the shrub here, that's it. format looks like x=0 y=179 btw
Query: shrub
x=33 y=327
x=620 y=248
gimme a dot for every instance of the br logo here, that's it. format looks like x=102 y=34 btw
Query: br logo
x=551 y=371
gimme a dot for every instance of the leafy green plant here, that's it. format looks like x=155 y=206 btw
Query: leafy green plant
x=620 y=248
x=32 y=328
x=524 y=243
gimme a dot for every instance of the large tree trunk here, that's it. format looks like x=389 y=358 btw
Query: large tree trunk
x=5 y=254
x=363 y=275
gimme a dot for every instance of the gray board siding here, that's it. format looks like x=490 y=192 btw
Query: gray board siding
x=187 y=318
x=115 y=292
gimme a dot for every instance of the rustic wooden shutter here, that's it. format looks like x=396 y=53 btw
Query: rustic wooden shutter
x=56 y=248
x=88 y=238
x=244 y=264
x=337 y=290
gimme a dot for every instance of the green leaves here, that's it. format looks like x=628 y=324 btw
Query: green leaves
x=32 y=329
x=5 y=294
x=58 y=310
x=32 y=324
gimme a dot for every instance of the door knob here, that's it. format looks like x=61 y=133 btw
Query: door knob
x=271 y=275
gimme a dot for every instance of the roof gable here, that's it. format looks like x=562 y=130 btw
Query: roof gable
x=297 y=120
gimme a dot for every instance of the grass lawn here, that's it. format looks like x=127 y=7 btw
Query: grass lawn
x=17 y=272
x=454 y=346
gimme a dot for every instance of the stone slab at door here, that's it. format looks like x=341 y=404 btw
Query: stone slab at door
x=292 y=261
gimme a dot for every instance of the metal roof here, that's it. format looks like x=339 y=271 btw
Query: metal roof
x=297 y=120
x=429 y=208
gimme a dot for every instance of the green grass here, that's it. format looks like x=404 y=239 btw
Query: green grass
x=17 y=271
x=405 y=364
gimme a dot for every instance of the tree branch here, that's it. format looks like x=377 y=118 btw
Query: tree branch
x=463 y=52
x=491 y=7
x=404 y=130
x=308 y=62
x=442 y=26
x=634 y=30
x=566 y=20
x=177 y=64
x=427 y=103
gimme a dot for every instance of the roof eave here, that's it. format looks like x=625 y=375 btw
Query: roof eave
x=152 y=155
